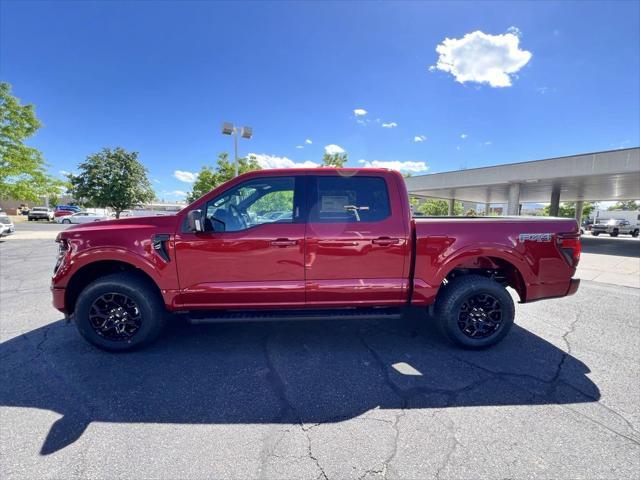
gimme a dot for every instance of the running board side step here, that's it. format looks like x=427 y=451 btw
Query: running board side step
x=215 y=316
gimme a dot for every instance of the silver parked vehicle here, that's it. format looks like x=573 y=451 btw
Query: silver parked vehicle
x=6 y=225
x=615 y=227
x=40 y=213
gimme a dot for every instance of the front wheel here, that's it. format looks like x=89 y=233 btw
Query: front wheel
x=614 y=233
x=119 y=312
x=595 y=234
x=635 y=233
x=475 y=312
x=66 y=221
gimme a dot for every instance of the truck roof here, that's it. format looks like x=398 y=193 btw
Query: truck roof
x=323 y=170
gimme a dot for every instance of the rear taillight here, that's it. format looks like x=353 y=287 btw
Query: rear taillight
x=569 y=244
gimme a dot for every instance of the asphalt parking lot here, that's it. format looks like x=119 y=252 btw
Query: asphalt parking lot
x=559 y=398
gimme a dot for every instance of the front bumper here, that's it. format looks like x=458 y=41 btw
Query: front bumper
x=7 y=230
x=573 y=286
x=58 y=295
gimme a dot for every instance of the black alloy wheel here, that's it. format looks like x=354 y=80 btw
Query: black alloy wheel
x=115 y=317
x=480 y=316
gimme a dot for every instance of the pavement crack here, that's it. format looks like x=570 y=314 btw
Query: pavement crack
x=452 y=447
x=287 y=409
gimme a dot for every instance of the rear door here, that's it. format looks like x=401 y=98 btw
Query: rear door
x=357 y=241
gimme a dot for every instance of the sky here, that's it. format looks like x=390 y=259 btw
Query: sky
x=422 y=87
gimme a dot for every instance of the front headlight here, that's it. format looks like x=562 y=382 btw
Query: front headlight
x=63 y=249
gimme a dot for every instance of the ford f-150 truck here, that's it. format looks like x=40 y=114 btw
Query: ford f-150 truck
x=308 y=244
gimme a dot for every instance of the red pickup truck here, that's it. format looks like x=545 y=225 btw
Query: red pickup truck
x=308 y=244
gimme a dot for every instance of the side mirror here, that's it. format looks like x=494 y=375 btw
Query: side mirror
x=194 y=221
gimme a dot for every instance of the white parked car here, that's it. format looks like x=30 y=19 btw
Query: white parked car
x=81 y=217
x=6 y=225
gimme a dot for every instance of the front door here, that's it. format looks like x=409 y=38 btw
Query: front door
x=357 y=249
x=251 y=253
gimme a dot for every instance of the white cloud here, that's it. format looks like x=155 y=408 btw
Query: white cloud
x=359 y=112
x=175 y=193
x=463 y=136
x=308 y=141
x=64 y=173
x=184 y=176
x=390 y=125
x=333 y=149
x=483 y=58
x=396 y=165
x=487 y=143
x=155 y=180
x=419 y=138
x=273 y=161
x=299 y=146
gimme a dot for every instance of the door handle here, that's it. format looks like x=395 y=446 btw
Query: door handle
x=385 y=241
x=283 y=242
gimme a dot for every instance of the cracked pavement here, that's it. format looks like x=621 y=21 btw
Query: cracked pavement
x=560 y=397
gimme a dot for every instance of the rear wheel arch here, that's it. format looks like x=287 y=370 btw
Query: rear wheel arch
x=496 y=268
x=98 y=269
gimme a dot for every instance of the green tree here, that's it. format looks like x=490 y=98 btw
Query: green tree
x=434 y=207
x=568 y=209
x=334 y=159
x=112 y=178
x=210 y=178
x=23 y=173
x=625 y=205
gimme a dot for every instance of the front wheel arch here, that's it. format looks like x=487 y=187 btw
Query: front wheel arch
x=92 y=271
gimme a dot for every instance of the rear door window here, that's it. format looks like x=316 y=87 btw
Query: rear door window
x=349 y=199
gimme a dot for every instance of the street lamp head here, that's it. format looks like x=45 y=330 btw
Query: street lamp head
x=247 y=132
x=227 y=128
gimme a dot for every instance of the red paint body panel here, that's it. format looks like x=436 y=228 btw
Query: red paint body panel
x=325 y=264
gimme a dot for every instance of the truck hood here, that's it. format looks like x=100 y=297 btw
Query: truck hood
x=159 y=221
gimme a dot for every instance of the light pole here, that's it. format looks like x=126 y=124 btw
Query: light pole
x=245 y=132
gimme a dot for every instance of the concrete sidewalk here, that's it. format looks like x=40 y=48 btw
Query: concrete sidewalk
x=610 y=260
x=616 y=270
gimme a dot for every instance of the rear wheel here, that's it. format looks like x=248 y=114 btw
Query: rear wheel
x=475 y=311
x=614 y=233
x=66 y=220
x=635 y=233
x=118 y=312
x=595 y=234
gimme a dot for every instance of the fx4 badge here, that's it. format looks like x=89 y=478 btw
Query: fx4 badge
x=536 y=237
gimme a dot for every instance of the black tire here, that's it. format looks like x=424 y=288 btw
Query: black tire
x=29 y=219
x=635 y=233
x=453 y=304
x=595 y=234
x=149 y=309
x=66 y=220
x=614 y=233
